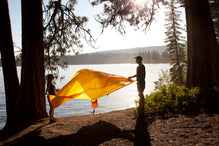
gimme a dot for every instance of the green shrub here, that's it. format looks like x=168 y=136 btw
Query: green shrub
x=172 y=99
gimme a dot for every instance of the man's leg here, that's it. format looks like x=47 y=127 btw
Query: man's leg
x=141 y=104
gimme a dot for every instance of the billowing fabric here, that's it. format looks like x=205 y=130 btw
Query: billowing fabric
x=89 y=84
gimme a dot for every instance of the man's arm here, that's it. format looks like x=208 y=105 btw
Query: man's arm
x=130 y=80
x=132 y=76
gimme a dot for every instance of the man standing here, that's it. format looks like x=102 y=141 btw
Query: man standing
x=140 y=75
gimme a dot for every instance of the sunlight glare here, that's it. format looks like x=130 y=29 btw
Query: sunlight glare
x=140 y=2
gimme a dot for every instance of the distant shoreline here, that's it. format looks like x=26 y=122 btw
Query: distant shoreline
x=151 y=55
x=19 y=65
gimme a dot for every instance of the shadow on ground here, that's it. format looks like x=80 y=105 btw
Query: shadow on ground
x=142 y=137
x=91 y=135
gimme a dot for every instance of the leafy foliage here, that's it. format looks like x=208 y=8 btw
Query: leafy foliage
x=172 y=99
x=118 y=13
x=63 y=31
x=175 y=44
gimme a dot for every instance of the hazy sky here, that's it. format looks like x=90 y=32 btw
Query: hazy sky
x=110 y=39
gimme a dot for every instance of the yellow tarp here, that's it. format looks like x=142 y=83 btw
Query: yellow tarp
x=89 y=84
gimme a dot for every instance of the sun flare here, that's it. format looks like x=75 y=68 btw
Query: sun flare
x=140 y=2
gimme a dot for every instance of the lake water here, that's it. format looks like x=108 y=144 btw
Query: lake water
x=118 y=100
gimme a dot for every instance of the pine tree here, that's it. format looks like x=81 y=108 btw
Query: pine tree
x=175 y=44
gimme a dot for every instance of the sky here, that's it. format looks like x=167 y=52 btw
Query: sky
x=110 y=39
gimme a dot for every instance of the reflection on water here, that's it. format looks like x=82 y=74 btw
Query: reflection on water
x=120 y=99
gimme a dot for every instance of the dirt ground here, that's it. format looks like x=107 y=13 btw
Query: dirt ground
x=119 y=128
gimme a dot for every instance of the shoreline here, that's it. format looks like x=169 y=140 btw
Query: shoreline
x=86 y=114
x=120 y=127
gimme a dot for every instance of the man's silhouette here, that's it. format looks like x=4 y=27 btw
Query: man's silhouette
x=140 y=75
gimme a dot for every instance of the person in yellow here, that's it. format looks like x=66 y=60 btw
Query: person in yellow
x=140 y=75
x=51 y=90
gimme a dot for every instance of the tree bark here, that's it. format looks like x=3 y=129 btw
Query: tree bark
x=189 y=43
x=202 y=51
x=214 y=51
x=11 y=82
x=31 y=105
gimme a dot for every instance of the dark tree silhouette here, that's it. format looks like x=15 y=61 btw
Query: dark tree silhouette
x=31 y=103
x=63 y=32
x=11 y=82
x=203 y=51
x=118 y=13
x=214 y=7
x=28 y=103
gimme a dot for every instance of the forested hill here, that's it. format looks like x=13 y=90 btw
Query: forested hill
x=155 y=54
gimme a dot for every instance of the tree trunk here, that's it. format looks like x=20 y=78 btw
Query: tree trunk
x=31 y=105
x=189 y=43
x=202 y=66
x=11 y=81
x=214 y=51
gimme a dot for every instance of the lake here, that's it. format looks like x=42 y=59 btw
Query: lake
x=118 y=100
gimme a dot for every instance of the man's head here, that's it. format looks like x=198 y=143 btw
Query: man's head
x=138 y=59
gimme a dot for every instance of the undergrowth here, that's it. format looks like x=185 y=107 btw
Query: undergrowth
x=172 y=99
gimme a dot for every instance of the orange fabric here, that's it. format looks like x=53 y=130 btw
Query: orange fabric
x=94 y=103
x=89 y=84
